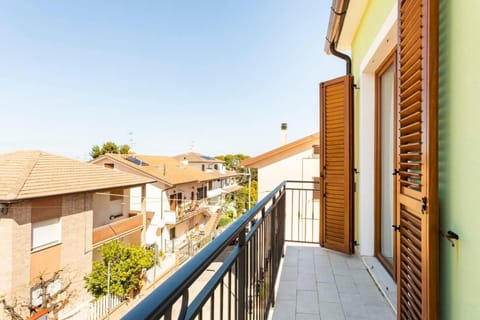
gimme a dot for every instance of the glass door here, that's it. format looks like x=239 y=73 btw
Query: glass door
x=384 y=158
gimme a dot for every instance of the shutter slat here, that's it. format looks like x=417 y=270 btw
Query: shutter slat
x=417 y=246
x=336 y=155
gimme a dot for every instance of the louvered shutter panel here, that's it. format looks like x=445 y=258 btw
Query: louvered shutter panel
x=336 y=164
x=417 y=183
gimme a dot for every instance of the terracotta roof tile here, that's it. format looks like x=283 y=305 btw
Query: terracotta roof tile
x=33 y=174
x=163 y=168
x=197 y=158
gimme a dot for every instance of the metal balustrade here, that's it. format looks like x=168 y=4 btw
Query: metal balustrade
x=234 y=276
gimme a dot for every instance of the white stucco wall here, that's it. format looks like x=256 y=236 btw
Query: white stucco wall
x=304 y=223
x=103 y=207
x=301 y=166
x=379 y=50
x=154 y=198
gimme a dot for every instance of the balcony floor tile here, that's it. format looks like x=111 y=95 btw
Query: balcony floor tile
x=317 y=283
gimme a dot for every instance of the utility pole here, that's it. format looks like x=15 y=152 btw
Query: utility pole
x=108 y=290
x=249 y=189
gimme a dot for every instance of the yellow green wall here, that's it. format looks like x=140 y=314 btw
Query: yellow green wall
x=371 y=22
x=459 y=153
x=459 y=145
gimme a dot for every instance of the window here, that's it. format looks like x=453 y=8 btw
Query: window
x=46 y=233
x=199 y=193
x=52 y=288
x=109 y=165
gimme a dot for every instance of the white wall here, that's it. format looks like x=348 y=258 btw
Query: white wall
x=103 y=208
x=154 y=198
x=379 y=50
x=301 y=166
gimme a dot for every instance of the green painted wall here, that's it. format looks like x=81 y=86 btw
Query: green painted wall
x=372 y=20
x=459 y=145
x=459 y=153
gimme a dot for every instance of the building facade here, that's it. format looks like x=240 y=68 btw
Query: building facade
x=51 y=209
x=413 y=88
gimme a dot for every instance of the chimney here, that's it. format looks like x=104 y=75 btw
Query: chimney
x=185 y=161
x=283 y=133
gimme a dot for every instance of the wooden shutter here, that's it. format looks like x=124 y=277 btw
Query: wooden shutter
x=336 y=164
x=417 y=183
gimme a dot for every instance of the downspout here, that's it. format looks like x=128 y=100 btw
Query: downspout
x=335 y=25
x=341 y=55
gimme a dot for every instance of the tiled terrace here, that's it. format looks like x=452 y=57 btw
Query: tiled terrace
x=317 y=283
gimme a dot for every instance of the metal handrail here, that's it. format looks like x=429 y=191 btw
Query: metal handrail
x=159 y=303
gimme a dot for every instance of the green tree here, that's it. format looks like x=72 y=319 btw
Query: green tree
x=108 y=147
x=241 y=197
x=233 y=162
x=126 y=265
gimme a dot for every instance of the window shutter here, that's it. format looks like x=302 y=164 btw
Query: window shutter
x=417 y=183
x=336 y=164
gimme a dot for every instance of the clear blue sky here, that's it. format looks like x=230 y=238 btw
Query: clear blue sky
x=221 y=74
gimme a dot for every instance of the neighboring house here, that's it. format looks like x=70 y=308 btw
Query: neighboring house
x=226 y=180
x=178 y=199
x=53 y=212
x=299 y=161
x=412 y=92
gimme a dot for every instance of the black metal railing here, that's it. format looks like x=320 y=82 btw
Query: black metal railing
x=234 y=276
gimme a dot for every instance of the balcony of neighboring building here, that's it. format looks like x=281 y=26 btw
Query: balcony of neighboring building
x=121 y=226
x=184 y=211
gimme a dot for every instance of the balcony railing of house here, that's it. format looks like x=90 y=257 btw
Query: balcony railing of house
x=235 y=275
x=119 y=228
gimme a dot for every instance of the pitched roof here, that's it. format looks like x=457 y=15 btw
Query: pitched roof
x=282 y=152
x=162 y=168
x=34 y=174
x=197 y=157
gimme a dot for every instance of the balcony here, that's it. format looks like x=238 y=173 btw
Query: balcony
x=268 y=264
x=117 y=229
x=186 y=211
x=170 y=217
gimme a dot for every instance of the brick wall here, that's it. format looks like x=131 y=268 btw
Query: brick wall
x=75 y=249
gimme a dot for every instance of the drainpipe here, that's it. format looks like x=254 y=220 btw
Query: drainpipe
x=341 y=55
x=335 y=25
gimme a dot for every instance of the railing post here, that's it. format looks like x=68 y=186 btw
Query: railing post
x=273 y=260
x=283 y=218
x=242 y=281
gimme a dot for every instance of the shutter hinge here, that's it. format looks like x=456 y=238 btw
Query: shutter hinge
x=395 y=172
x=424 y=205
x=355 y=243
x=396 y=227
x=324 y=194
x=355 y=170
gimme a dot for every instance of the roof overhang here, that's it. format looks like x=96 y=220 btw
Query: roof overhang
x=135 y=168
x=345 y=17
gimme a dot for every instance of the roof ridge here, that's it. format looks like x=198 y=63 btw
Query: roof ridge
x=22 y=179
